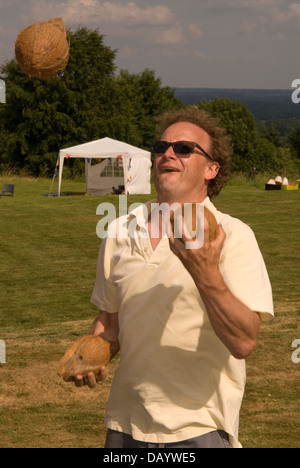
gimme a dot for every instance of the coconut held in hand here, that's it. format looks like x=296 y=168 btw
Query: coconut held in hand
x=88 y=354
x=188 y=213
x=42 y=49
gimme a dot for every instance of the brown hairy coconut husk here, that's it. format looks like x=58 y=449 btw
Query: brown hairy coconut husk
x=212 y=222
x=42 y=49
x=88 y=354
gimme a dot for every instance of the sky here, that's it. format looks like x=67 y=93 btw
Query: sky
x=245 y=44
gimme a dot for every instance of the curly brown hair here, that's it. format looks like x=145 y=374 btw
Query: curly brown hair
x=221 y=146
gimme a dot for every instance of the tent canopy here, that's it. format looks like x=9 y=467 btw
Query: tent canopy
x=133 y=164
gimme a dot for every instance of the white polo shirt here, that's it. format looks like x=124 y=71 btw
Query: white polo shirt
x=176 y=380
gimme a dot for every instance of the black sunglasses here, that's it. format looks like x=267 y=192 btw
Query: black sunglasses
x=181 y=148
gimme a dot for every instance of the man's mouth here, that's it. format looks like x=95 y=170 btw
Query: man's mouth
x=165 y=170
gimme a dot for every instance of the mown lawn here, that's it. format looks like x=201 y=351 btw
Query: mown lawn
x=48 y=258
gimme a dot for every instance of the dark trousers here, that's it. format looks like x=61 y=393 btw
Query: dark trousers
x=215 y=439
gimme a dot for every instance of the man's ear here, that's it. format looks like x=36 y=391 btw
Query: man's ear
x=212 y=170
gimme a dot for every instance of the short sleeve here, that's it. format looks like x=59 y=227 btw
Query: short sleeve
x=244 y=271
x=104 y=295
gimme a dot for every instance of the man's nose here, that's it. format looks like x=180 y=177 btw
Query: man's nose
x=169 y=153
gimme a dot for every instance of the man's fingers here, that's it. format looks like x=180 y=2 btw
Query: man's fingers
x=103 y=374
x=79 y=381
x=91 y=380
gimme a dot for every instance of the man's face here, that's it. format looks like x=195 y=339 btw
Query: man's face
x=183 y=178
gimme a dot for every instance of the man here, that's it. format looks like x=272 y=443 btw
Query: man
x=183 y=319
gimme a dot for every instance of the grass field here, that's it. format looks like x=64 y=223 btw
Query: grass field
x=48 y=260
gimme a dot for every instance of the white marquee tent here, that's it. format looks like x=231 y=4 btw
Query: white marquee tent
x=121 y=165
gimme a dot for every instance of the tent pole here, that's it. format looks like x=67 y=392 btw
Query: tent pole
x=61 y=165
x=54 y=175
x=86 y=174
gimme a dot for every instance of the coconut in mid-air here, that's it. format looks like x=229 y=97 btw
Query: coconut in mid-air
x=42 y=49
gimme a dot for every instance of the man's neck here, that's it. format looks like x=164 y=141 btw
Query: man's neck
x=188 y=198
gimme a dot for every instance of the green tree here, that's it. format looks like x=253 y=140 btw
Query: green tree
x=252 y=152
x=87 y=79
x=294 y=140
x=31 y=123
x=240 y=125
x=270 y=132
x=264 y=156
x=138 y=100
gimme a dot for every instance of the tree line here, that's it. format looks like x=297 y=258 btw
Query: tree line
x=89 y=100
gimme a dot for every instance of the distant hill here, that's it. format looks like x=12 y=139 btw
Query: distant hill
x=264 y=104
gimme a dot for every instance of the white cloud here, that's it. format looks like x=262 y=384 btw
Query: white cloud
x=293 y=12
x=274 y=20
x=98 y=12
x=198 y=54
x=195 y=31
x=128 y=52
x=242 y=4
x=171 y=36
x=295 y=8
